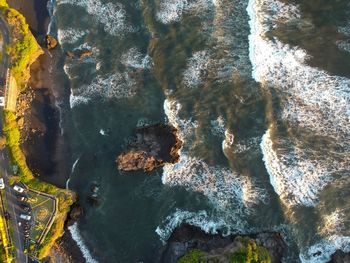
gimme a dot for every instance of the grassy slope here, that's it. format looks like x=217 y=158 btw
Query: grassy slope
x=23 y=51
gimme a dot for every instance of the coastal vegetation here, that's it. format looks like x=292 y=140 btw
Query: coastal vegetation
x=5 y=256
x=23 y=49
x=247 y=252
x=65 y=198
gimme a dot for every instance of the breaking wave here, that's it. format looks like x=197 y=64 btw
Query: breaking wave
x=74 y=230
x=112 y=16
x=200 y=219
x=322 y=251
x=70 y=35
x=171 y=11
x=197 y=67
x=223 y=187
x=133 y=58
x=294 y=176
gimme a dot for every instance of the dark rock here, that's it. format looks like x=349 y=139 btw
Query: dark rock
x=51 y=42
x=79 y=54
x=187 y=237
x=340 y=257
x=75 y=212
x=151 y=147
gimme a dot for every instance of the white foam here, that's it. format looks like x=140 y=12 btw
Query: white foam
x=218 y=126
x=283 y=68
x=322 y=251
x=70 y=35
x=197 y=67
x=103 y=132
x=246 y=145
x=224 y=188
x=171 y=11
x=135 y=59
x=117 y=85
x=200 y=219
x=74 y=165
x=343 y=45
x=295 y=177
x=333 y=223
x=74 y=230
x=111 y=15
x=77 y=100
x=186 y=128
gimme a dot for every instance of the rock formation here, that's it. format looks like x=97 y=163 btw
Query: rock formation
x=151 y=147
x=79 y=54
x=340 y=257
x=216 y=247
x=51 y=42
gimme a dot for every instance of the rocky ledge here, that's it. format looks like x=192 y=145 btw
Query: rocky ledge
x=340 y=257
x=151 y=147
x=188 y=242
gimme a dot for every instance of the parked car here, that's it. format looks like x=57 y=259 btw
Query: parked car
x=2 y=184
x=25 y=217
x=22 y=198
x=18 y=189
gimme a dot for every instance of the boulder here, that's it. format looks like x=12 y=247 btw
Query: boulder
x=151 y=147
x=51 y=42
x=340 y=257
x=79 y=54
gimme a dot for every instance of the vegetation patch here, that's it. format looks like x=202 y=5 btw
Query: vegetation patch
x=252 y=253
x=193 y=256
x=23 y=49
x=65 y=198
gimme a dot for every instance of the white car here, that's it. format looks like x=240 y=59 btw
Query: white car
x=25 y=217
x=2 y=184
x=18 y=189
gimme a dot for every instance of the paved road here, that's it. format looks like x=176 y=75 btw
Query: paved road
x=11 y=200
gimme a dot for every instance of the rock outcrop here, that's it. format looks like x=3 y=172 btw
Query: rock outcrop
x=216 y=247
x=150 y=148
x=79 y=54
x=51 y=42
x=340 y=257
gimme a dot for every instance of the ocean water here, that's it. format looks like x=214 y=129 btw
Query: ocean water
x=260 y=93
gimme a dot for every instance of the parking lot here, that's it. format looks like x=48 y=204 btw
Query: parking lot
x=36 y=213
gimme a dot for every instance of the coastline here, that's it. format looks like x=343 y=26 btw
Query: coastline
x=43 y=142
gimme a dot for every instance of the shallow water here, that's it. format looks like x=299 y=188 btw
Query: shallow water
x=259 y=91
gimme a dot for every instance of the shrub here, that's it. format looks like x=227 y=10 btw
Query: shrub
x=193 y=256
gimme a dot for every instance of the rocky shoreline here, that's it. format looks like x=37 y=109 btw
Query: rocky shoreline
x=38 y=117
x=186 y=238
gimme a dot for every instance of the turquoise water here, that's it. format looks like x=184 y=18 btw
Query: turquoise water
x=260 y=97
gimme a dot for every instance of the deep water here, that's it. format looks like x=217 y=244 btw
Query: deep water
x=259 y=91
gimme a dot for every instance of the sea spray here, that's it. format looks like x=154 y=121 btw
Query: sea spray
x=74 y=230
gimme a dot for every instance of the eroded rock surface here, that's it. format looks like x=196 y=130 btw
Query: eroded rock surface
x=51 y=42
x=150 y=147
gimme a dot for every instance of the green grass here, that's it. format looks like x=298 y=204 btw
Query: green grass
x=193 y=256
x=43 y=208
x=65 y=198
x=23 y=49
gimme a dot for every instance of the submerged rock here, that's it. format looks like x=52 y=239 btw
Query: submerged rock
x=151 y=147
x=187 y=239
x=51 y=42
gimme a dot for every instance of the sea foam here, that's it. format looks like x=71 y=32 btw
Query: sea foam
x=171 y=11
x=111 y=15
x=70 y=35
x=294 y=177
x=312 y=100
x=74 y=230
